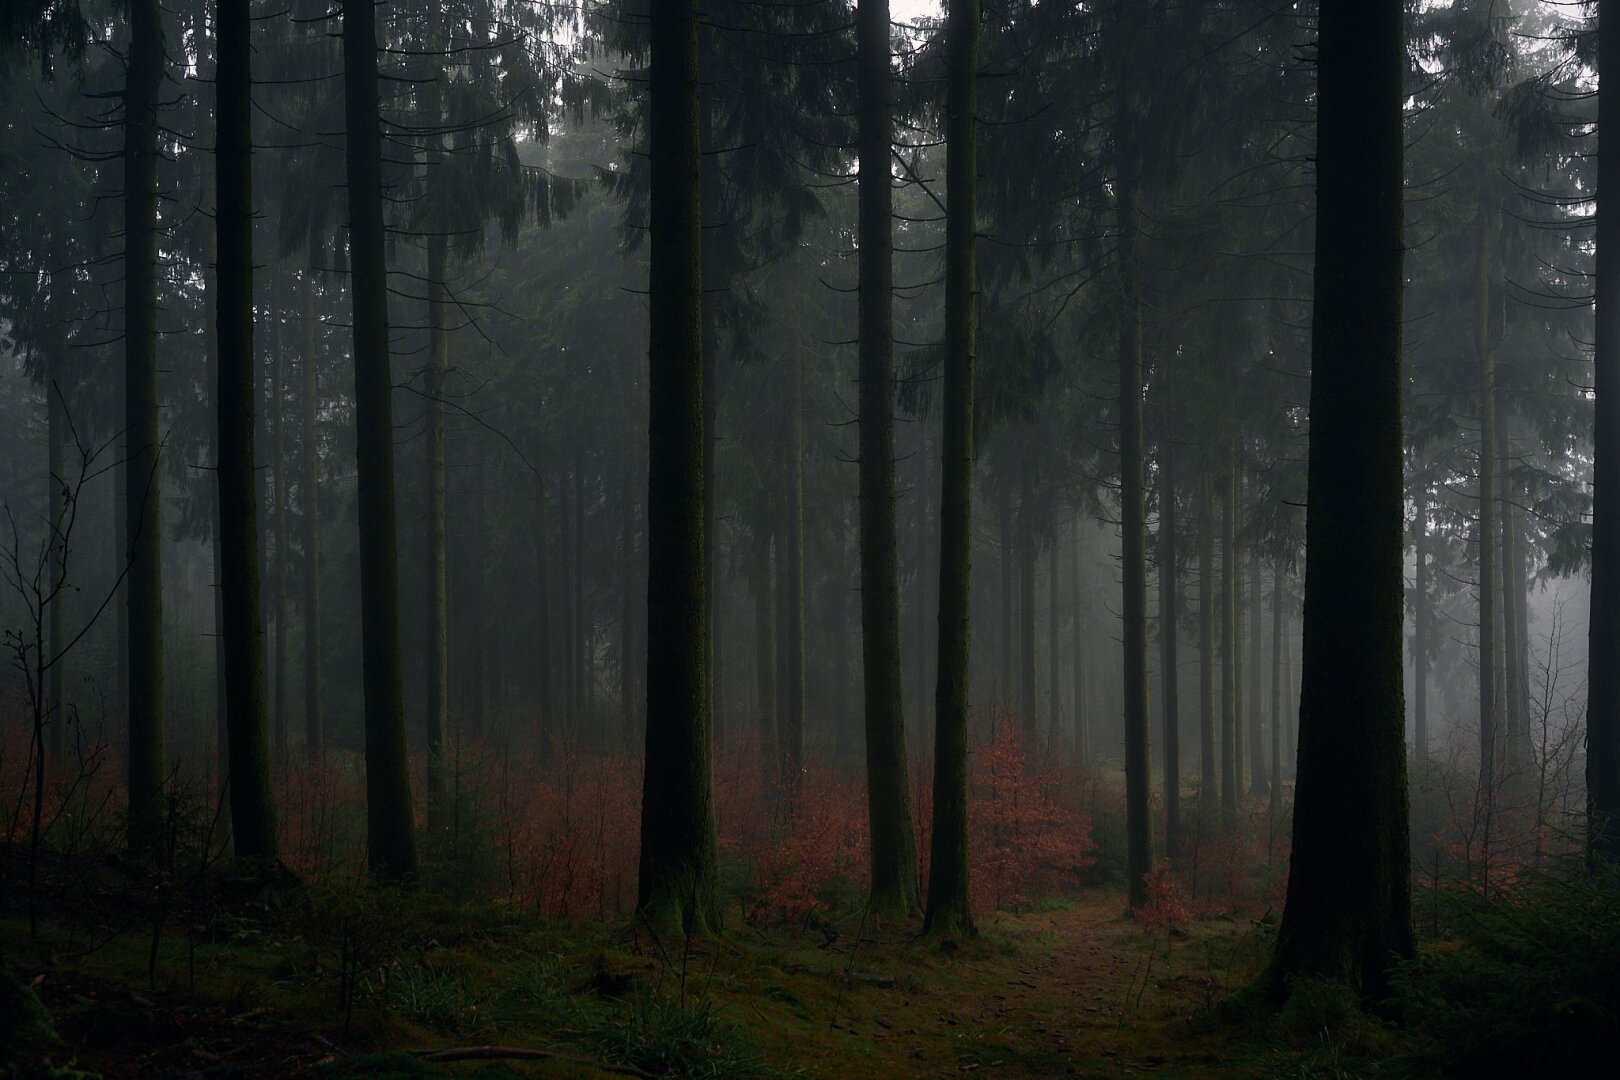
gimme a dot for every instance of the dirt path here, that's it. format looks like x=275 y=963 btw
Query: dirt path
x=1078 y=992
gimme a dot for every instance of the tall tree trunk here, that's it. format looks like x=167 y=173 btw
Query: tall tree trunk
x=678 y=860
x=584 y=654
x=627 y=608
x=1054 y=653
x=1082 y=714
x=1027 y=714
x=545 y=665
x=143 y=492
x=1005 y=557
x=1486 y=534
x=56 y=712
x=436 y=646
x=948 y=912
x=1514 y=700
x=1276 y=693
x=390 y=828
x=222 y=754
x=792 y=597
x=765 y=644
x=278 y=483
x=1229 y=628
x=1169 y=608
x=253 y=812
x=1208 y=605
x=1420 y=624
x=1348 y=913
x=1133 y=510
x=476 y=659
x=1238 y=606
x=314 y=728
x=1259 y=782
x=569 y=729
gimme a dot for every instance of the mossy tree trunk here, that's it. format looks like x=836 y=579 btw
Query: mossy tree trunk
x=675 y=891
x=1348 y=911
x=948 y=912
x=390 y=824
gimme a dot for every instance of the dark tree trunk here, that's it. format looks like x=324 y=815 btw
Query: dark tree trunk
x=1486 y=535
x=278 y=484
x=1133 y=509
x=56 y=711
x=477 y=667
x=1276 y=693
x=1028 y=715
x=1169 y=608
x=627 y=609
x=765 y=644
x=792 y=597
x=1229 y=632
x=545 y=667
x=1514 y=699
x=390 y=827
x=1082 y=715
x=1208 y=604
x=678 y=855
x=1054 y=651
x=1004 y=674
x=948 y=912
x=584 y=654
x=253 y=812
x=314 y=728
x=1348 y=912
x=1259 y=782
x=1420 y=625
x=143 y=494
x=569 y=728
x=436 y=646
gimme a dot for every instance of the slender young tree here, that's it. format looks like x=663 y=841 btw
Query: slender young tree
x=1603 y=691
x=949 y=912
x=143 y=492
x=1348 y=911
x=390 y=826
x=1420 y=625
x=893 y=843
x=1487 y=539
x=253 y=811
x=675 y=891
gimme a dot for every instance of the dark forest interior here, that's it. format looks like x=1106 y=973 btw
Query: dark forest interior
x=808 y=537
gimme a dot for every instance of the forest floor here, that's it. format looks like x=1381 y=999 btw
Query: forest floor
x=1073 y=989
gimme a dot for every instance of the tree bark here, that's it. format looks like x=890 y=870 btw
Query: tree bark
x=1486 y=535
x=793 y=578
x=143 y=489
x=948 y=912
x=1348 y=911
x=1259 y=782
x=675 y=891
x=278 y=484
x=1420 y=624
x=1169 y=609
x=1208 y=603
x=314 y=727
x=765 y=646
x=436 y=645
x=1229 y=629
x=253 y=812
x=390 y=826
x=1027 y=711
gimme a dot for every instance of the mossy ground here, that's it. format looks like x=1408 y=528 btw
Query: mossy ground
x=325 y=984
